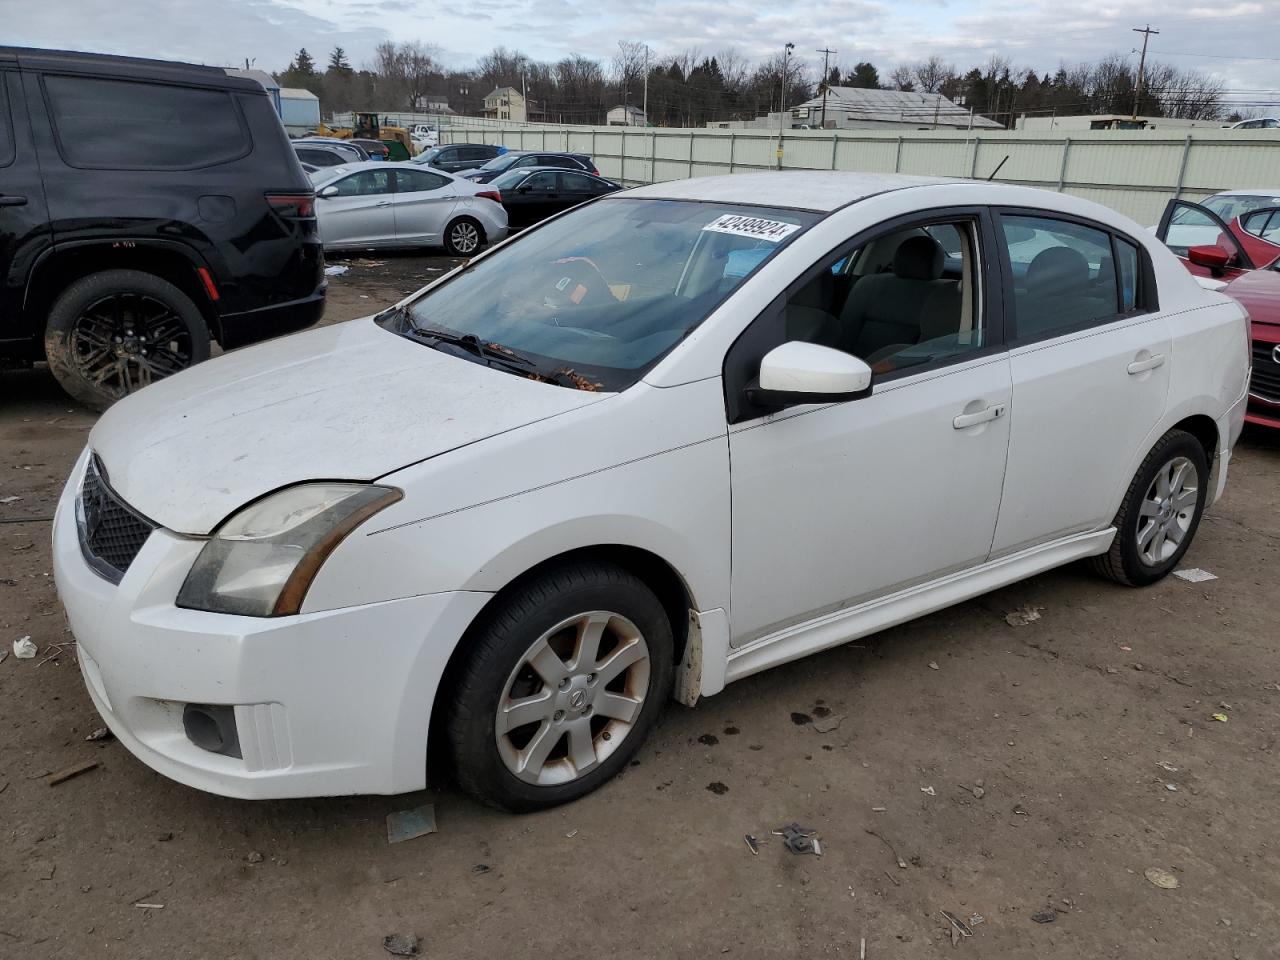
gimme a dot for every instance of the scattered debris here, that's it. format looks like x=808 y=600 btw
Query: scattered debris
x=710 y=739
x=480 y=868
x=929 y=790
x=9 y=499
x=401 y=945
x=892 y=877
x=902 y=864
x=862 y=949
x=1022 y=616
x=1220 y=717
x=1020 y=810
x=254 y=857
x=1161 y=878
x=799 y=839
x=730 y=731
x=1047 y=915
x=164 y=837
x=102 y=733
x=1194 y=575
x=4 y=655
x=337 y=270
x=933 y=664
x=958 y=927
x=74 y=770
x=829 y=723
x=800 y=719
x=718 y=788
x=24 y=649
x=976 y=919
x=752 y=844
x=1171 y=787
x=149 y=906
x=879 y=809
x=571 y=834
x=1166 y=766
x=408 y=824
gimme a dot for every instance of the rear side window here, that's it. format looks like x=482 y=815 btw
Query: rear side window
x=417 y=181
x=6 y=125
x=1127 y=264
x=473 y=153
x=318 y=158
x=123 y=124
x=1064 y=275
x=367 y=183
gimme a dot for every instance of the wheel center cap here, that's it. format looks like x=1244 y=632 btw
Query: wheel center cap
x=578 y=699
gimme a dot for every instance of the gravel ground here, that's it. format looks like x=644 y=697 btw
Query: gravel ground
x=1010 y=768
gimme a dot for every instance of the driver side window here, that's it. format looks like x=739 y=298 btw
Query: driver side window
x=900 y=300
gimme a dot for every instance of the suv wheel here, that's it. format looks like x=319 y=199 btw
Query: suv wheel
x=114 y=332
x=463 y=238
x=564 y=681
x=1160 y=513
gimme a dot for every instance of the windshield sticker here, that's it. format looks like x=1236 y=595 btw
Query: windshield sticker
x=754 y=227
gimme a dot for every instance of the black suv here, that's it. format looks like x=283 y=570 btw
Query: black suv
x=512 y=159
x=146 y=208
x=453 y=157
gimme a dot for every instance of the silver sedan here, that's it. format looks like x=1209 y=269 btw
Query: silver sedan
x=379 y=204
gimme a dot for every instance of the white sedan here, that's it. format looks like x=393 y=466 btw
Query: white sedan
x=376 y=204
x=659 y=443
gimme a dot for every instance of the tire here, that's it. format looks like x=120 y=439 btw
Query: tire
x=463 y=237
x=113 y=332
x=561 y=605
x=1139 y=554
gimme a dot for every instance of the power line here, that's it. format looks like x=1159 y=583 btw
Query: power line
x=1146 y=35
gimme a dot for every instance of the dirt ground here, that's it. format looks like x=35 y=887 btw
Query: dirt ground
x=1011 y=768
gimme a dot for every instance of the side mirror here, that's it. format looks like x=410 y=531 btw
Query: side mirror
x=523 y=189
x=1212 y=256
x=799 y=372
x=328 y=192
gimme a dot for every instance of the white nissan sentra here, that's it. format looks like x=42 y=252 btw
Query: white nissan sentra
x=657 y=444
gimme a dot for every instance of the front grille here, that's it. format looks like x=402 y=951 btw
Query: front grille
x=111 y=533
x=1266 y=372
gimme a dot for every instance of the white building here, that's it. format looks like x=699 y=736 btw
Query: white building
x=626 y=116
x=856 y=108
x=1108 y=121
x=299 y=110
x=505 y=103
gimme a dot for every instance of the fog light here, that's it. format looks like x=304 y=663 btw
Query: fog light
x=212 y=728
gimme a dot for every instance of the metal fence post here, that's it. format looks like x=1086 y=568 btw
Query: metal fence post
x=653 y=156
x=1062 y=171
x=623 y=150
x=732 y=135
x=690 y=153
x=835 y=145
x=973 y=163
x=1182 y=167
x=897 y=159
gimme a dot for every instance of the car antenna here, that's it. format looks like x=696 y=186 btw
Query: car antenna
x=997 y=169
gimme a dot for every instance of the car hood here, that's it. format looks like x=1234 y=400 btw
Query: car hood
x=348 y=402
x=1259 y=292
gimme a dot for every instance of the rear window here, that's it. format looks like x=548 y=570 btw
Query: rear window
x=124 y=124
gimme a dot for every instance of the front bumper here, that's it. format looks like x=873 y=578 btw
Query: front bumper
x=253 y=326
x=329 y=703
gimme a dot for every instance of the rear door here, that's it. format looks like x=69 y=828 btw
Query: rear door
x=537 y=198
x=361 y=212
x=24 y=221
x=576 y=188
x=423 y=203
x=1089 y=354
x=1186 y=224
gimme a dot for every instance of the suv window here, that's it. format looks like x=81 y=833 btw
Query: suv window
x=555 y=161
x=580 y=183
x=366 y=183
x=1064 y=275
x=124 y=124
x=544 y=182
x=416 y=181
x=6 y=127
x=473 y=153
x=319 y=158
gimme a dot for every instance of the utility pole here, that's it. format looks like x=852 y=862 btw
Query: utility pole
x=1142 y=62
x=826 y=77
x=645 y=109
x=782 y=105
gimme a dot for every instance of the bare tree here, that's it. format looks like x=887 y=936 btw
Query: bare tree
x=903 y=78
x=931 y=74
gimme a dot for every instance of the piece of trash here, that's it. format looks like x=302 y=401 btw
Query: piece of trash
x=408 y=824
x=828 y=723
x=878 y=809
x=1194 y=575
x=1171 y=787
x=1166 y=766
x=1020 y=811
x=24 y=648
x=149 y=906
x=902 y=864
x=4 y=655
x=9 y=499
x=958 y=927
x=862 y=948
x=62 y=776
x=336 y=270
x=1161 y=878
x=752 y=844
x=254 y=857
x=933 y=664
x=929 y=790
x=1220 y=717
x=571 y=834
x=401 y=945
x=102 y=733
x=976 y=919
x=1022 y=616
x=165 y=837
x=1126 y=649
x=718 y=788
x=481 y=868
x=799 y=839
x=800 y=719
x=1047 y=915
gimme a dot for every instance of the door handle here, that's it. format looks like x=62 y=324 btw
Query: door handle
x=1142 y=366
x=12 y=201
x=993 y=412
x=383 y=203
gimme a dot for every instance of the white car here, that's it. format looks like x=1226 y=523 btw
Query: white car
x=659 y=443
x=376 y=204
x=424 y=136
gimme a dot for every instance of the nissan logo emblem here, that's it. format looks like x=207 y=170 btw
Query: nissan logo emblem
x=1275 y=353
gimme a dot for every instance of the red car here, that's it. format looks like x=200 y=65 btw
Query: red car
x=1243 y=261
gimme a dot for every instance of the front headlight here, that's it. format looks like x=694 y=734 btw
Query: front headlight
x=261 y=562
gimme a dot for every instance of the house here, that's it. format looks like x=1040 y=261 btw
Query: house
x=505 y=103
x=432 y=103
x=299 y=110
x=626 y=116
x=856 y=108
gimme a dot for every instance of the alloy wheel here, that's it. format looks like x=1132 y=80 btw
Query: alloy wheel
x=465 y=237
x=573 y=698
x=125 y=341
x=1167 y=511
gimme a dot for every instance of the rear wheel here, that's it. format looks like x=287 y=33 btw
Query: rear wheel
x=565 y=679
x=463 y=237
x=114 y=332
x=1160 y=513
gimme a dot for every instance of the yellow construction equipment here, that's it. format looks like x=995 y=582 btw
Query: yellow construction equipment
x=369 y=127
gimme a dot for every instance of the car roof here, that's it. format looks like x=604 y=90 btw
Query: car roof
x=140 y=68
x=817 y=190
x=1259 y=192
x=546 y=169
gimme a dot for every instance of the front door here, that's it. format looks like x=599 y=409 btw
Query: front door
x=24 y=224
x=360 y=211
x=423 y=202
x=536 y=199
x=835 y=505
x=1090 y=360
x=1185 y=224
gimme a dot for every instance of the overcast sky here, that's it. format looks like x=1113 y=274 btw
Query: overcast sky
x=1038 y=33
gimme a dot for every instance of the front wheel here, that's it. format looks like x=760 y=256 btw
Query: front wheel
x=114 y=332
x=564 y=680
x=463 y=237
x=1160 y=513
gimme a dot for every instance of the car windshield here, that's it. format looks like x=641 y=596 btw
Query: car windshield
x=1229 y=206
x=509 y=179
x=501 y=162
x=595 y=298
